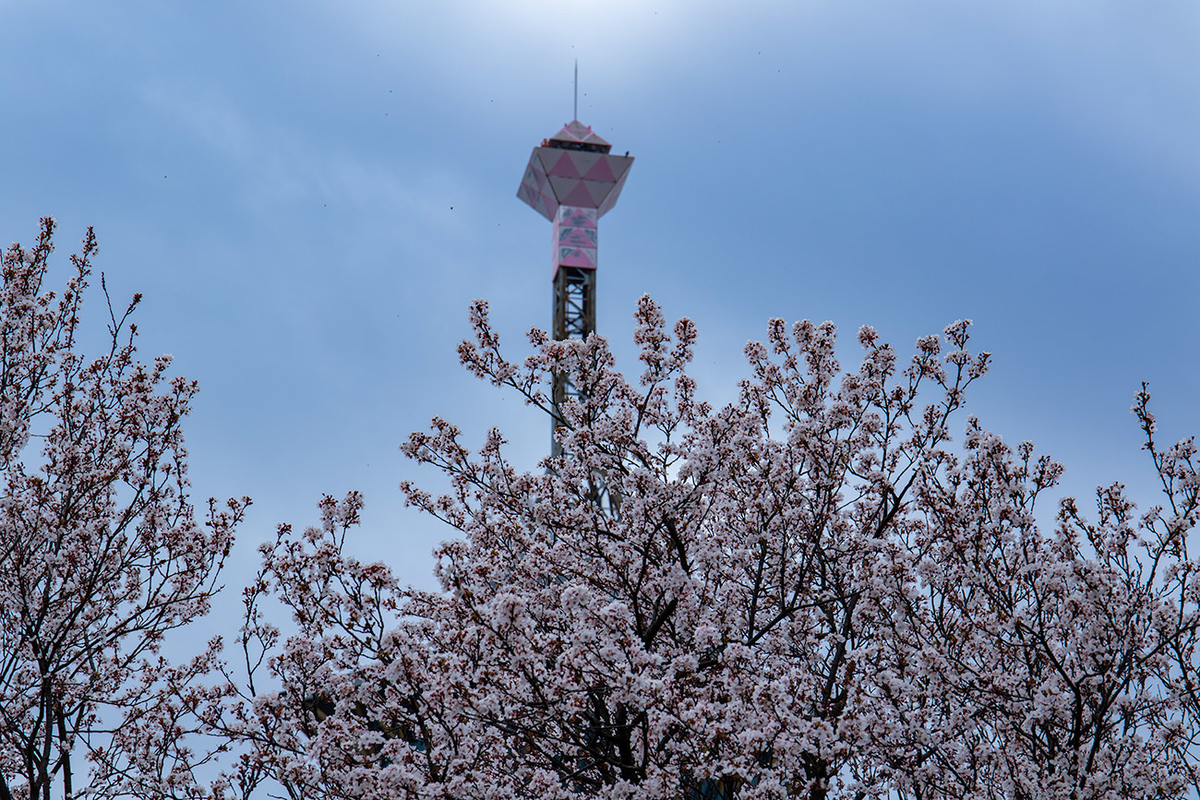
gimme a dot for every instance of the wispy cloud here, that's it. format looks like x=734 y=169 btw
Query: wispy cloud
x=277 y=167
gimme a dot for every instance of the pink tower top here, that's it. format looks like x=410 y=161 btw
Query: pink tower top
x=573 y=168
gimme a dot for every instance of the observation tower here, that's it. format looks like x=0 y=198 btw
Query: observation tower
x=572 y=180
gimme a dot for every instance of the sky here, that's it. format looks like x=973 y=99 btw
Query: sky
x=309 y=195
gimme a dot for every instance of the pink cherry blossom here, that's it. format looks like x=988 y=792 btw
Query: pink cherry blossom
x=100 y=552
x=809 y=592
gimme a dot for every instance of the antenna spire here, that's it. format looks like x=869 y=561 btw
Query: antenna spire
x=576 y=89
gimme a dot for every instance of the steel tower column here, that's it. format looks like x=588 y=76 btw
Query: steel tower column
x=574 y=318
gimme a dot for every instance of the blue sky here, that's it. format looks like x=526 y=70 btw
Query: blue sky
x=310 y=194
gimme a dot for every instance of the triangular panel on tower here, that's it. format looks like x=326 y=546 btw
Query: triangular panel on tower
x=564 y=166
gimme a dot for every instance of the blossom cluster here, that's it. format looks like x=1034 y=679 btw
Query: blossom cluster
x=101 y=555
x=811 y=591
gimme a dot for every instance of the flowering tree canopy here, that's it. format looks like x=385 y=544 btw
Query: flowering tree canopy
x=100 y=552
x=809 y=592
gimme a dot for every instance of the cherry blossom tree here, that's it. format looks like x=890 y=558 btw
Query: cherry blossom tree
x=100 y=552
x=810 y=592
x=1035 y=665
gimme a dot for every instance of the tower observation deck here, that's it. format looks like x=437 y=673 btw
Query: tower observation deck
x=572 y=180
